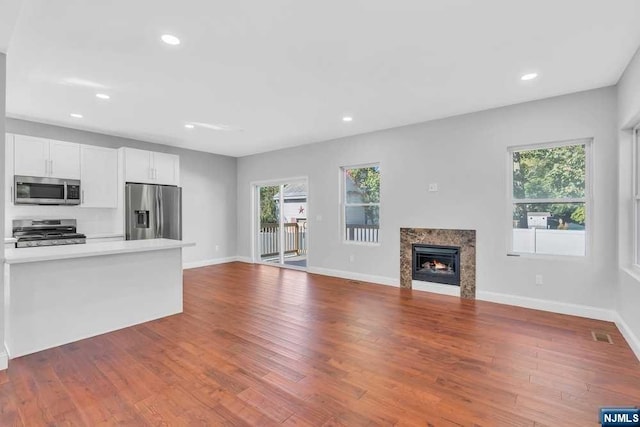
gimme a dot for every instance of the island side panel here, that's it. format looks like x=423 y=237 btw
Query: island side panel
x=51 y=303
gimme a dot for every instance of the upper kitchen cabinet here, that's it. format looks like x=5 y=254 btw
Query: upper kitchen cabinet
x=64 y=160
x=31 y=156
x=149 y=167
x=45 y=158
x=99 y=177
x=137 y=165
x=166 y=168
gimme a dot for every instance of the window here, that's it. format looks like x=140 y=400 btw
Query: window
x=550 y=198
x=361 y=203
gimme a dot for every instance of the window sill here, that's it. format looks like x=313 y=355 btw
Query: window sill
x=355 y=243
x=633 y=271
x=549 y=257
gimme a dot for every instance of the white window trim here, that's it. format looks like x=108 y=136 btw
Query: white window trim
x=635 y=196
x=587 y=200
x=342 y=205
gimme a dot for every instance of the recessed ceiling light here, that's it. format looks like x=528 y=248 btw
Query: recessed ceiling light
x=76 y=115
x=102 y=96
x=529 y=76
x=347 y=119
x=217 y=127
x=189 y=126
x=170 y=39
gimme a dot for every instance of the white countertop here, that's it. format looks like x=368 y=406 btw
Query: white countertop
x=49 y=253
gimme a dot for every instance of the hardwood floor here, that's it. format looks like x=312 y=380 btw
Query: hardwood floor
x=258 y=345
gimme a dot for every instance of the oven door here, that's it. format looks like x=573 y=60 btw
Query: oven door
x=31 y=190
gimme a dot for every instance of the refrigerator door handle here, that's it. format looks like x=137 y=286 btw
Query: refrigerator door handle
x=161 y=212
x=157 y=213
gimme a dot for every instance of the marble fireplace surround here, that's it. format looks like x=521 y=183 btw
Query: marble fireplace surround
x=465 y=239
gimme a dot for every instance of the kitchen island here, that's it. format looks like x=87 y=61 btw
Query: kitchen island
x=59 y=294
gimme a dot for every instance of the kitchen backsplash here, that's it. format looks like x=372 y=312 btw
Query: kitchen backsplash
x=91 y=221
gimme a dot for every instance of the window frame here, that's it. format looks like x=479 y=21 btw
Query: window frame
x=635 y=196
x=343 y=205
x=587 y=200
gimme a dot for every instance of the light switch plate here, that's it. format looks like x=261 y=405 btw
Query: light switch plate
x=433 y=187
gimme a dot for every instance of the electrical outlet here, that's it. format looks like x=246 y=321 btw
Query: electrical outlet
x=538 y=279
x=217 y=248
x=352 y=258
x=433 y=187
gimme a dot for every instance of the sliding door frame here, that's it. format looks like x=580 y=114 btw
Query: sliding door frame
x=255 y=220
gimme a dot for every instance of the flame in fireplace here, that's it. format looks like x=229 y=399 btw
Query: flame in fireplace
x=438 y=265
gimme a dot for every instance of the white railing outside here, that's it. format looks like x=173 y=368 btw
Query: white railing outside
x=362 y=233
x=551 y=242
x=295 y=239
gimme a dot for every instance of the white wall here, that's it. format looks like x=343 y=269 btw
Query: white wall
x=628 y=294
x=466 y=156
x=208 y=193
x=3 y=85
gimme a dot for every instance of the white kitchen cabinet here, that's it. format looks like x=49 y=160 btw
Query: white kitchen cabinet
x=31 y=156
x=149 y=167
x=8 y=169
x=137 y=165
x=98 y=177
x=166 y=168
x=46 y=158
x=64 y=160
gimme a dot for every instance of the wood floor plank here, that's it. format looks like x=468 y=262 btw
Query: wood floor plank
x=258 y=345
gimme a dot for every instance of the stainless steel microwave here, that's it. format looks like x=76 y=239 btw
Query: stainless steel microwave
x=35 y=190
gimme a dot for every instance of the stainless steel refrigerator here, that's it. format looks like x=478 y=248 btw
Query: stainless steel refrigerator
x=153 y=211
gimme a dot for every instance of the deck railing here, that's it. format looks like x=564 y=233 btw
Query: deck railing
x=362 y=233
x=295 y=239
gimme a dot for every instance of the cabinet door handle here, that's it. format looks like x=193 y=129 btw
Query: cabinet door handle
x=82 y=201
x=50 y=167
x=46 y=167
x=12 y=195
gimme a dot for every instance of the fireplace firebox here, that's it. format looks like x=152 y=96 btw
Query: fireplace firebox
x=434 y=263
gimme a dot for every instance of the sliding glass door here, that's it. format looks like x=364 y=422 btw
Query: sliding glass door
x=282 y=231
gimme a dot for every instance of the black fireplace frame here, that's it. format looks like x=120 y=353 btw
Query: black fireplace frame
x=453 y=279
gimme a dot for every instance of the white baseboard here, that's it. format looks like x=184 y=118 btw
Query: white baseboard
x=4 y=358
x=206 y=262
x=381 y=280
x=546 y=305
x=632 y=339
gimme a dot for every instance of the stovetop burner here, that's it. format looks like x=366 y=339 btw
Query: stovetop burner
x=49 y=232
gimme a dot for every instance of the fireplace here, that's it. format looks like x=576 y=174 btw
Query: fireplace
x=435 y=263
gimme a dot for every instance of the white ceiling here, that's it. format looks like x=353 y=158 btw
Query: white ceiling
x=284 y=72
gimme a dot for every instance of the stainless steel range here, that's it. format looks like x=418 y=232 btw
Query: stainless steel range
x=46 y=232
